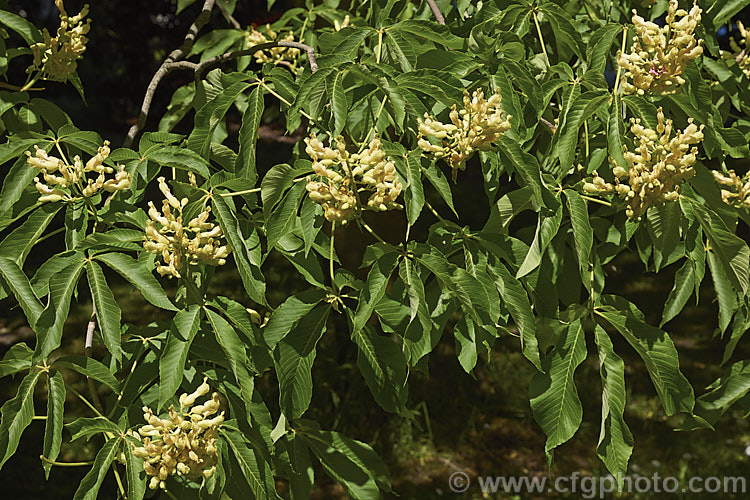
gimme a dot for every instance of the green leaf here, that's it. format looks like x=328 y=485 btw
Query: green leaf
x=280 y=221
x=554 y=397
x=88 y=427
x=584 y=106
x=615 y=439
x=28 y=31
x=374 y=289
x=383 y=365
x=339 y=103
x=599 y=45
x=251 y=276
x=18 y=358
x=52 y=320
x=727 y=390
x=235 y=353
x=15 y=281
x=546 y=229
x=55 y=264
x=17 y=414
x=583 y=235
x=664 y=228
x=54 y=424
x=179 y=158
x=657 y=351
x=615 y=132
x=441 y=185
x=89 y=487
x=414 y=195
x=17 y=245
x=288 y=314
x=134 y=474
x=721 y=12
x=526 y=166
x=294 y=356
x=90 y=368
x=184 y=326
x=732 y=252
x=352 y=463
x=76 y=223
x=517 y=301
x=465 y=288
x=248 y=138
x=108 y=314
x=210 y=115
x=256 y=471
x=684 y=280
x=139 y=275
x=725 y=294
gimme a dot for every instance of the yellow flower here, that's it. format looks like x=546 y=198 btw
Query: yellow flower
x=475 y=127
x=659 y=55
x=56 y=57
x=657 y=166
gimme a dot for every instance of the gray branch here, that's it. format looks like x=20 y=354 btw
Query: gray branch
x=166 y=67
x=436 y=11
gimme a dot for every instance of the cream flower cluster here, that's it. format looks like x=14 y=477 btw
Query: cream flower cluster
x=343 y=175
x=199 y=242
x=659 y=55
x=183 y=444
x=740 y=51
x=275 y=55
x=475 y=127
x=61 y=181
x=738 y=192
x=659 y=164
x=56 y=57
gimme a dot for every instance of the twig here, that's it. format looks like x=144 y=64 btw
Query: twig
x=166 y=67
x=229 y=17
x=65 y=464
x=436 y=11
x=549 y=124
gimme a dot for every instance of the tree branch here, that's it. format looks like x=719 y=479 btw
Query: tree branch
x=436 y=11
x=166 y=67
x=232 y=20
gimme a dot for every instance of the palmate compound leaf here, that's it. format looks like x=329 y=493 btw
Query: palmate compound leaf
x=615 y=439
x=352 y=463
x=13 y=279
x=54 y=424
x=733 y=385
x=108 y=314
x=235 y=353
x=52 y=319
x=655 y=348
x=139 y=275
x=89 y=487
x=583 y=235
x=184 y=327
x=255 y=470
x=17 y=414
x=554 y=396
x=293 y=357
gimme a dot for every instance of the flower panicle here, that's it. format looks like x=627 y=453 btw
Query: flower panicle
x=661 y=161
x=476 y=127
x=56 y=56
x=197 y=242
x=660 y=54
x=183 y=443
x=60 y=180
x=340 y=177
